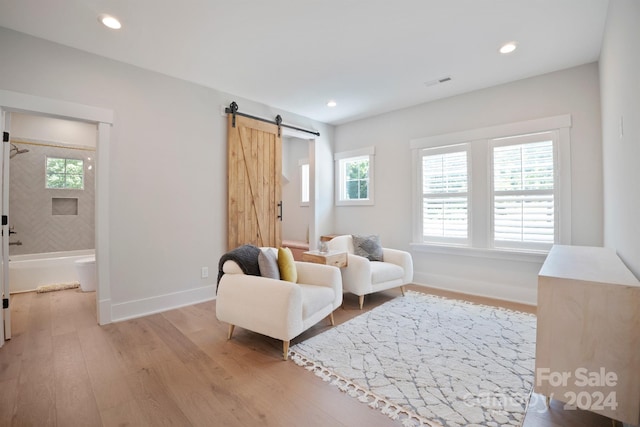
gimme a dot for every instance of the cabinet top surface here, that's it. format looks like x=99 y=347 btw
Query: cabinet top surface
x=593 y=264
x=324 y=254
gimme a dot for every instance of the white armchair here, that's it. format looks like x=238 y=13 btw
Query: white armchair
x=362 y=277
x=277 y=308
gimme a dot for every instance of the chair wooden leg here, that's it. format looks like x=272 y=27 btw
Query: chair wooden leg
x=361 y=301
x=402 y=289
x=285 y=350
x=333 y=323
x=231 y=328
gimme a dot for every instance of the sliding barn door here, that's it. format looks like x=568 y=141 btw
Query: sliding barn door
x=254 y=171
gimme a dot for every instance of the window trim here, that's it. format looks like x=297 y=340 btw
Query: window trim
x=353 y=154
x=536 y=257
x=480 y=224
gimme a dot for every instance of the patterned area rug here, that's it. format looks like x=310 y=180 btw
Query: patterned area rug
x=431 y=361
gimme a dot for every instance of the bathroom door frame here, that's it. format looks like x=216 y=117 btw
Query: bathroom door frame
x=103 y=119
x=5 y=313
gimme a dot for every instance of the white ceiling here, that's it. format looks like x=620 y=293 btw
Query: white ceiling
x=371 y=56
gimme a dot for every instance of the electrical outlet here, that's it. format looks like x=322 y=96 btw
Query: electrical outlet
x=205 y=272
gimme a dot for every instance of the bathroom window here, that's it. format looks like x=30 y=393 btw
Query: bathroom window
x=65 y=173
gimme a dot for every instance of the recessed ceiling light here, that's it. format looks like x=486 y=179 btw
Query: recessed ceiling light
x=331 y=104
x=508 y=47
x=109 y=22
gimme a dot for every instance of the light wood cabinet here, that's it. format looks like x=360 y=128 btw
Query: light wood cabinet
x=588 y=336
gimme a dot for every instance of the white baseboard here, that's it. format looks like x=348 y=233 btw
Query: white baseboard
x=104 y=312
x=144 y=307
x=499 y=291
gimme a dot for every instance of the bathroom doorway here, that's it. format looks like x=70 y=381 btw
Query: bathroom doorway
x=51 y=202
x=51 y=185
x=13 y=102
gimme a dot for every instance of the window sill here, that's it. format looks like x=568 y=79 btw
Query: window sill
x=367 y=202
x=501 y=254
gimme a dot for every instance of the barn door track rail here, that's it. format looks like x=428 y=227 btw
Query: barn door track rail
x=233 y=110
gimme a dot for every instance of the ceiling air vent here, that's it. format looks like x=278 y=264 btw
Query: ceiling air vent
x=437 y=81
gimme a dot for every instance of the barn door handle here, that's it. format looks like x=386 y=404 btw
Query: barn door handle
x=280 y=208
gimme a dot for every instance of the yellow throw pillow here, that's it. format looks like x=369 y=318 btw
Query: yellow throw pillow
x=287 y=265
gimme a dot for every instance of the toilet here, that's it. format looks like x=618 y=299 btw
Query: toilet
x=86 y=269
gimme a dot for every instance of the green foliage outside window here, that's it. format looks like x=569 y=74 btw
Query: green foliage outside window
x=357 y=182
x=65 y=173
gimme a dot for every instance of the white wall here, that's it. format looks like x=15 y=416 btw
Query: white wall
x=296 y=218
x=168 y=165
x=321 y=191
x=620 y=91
x=48 y=129
x=574 y=91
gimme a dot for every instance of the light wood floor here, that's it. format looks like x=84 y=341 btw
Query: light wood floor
x=177 y=368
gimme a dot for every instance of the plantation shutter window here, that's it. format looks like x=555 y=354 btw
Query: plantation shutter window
x=501 y=192
x=445 y=201
x=524 y=213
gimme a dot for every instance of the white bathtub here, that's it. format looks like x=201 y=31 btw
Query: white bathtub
x=27 y=272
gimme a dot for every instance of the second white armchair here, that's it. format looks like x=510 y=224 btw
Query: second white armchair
x=363 y=277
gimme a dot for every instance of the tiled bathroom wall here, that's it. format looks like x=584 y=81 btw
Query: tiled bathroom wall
x=49 y=220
